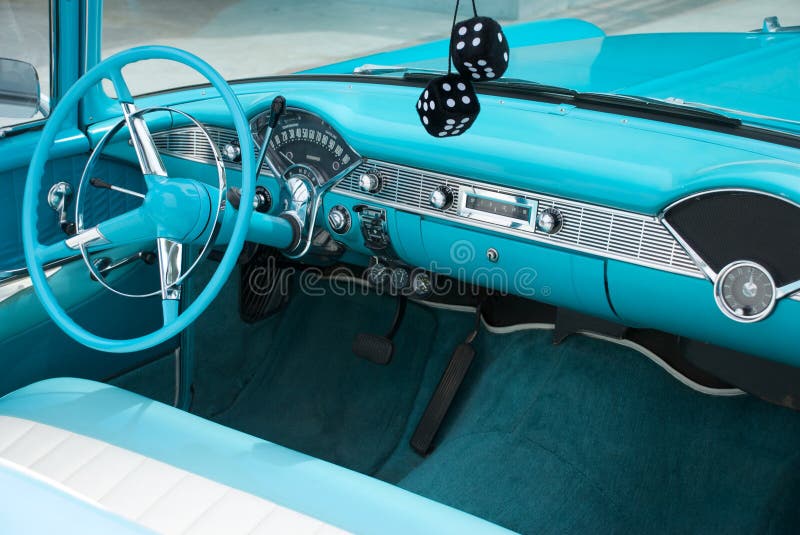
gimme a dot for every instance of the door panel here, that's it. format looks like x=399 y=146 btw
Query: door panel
x=31 y=346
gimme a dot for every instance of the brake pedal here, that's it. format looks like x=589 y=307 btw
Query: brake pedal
x=376 y=348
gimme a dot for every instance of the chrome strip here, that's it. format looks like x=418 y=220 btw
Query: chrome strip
x=597 y=230
x=189 y=143
x=14 y=285
x=790 y=290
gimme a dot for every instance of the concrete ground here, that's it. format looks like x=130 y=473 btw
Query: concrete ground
x=245 y=38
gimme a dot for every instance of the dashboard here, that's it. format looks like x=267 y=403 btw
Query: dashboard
x=702 y=246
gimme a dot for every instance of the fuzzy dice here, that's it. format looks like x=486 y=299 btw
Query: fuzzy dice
x=448 y=106
x=479 y=49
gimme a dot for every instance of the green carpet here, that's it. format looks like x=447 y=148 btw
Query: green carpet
x=586 y=436
x=590 y=436
x=311 y=394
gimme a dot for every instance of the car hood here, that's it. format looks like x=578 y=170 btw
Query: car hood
x=754 y=72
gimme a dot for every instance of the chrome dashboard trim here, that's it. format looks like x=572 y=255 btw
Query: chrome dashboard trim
x=189 y=143
x=588 y=228
x=789 y=291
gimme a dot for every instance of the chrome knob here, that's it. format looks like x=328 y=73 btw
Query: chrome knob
x=377 y=274
x=550 y=221
x=339 y=219
x=232 y=152
x=370 y=182
x=441 y=198
x=399 y=279
x=421 y=284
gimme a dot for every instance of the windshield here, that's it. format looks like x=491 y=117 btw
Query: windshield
x=670 y=51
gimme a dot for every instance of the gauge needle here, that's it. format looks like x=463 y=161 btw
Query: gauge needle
x=287 y=158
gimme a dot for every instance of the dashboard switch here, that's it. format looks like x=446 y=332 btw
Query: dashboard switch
x=441 y=198
x=370 y=182
x=339 y=219
x=232 y=151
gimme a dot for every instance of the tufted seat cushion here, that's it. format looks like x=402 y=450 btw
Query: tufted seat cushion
x=95 y=455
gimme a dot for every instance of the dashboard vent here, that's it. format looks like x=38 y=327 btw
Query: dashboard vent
x=593 y=229
x=189 y=143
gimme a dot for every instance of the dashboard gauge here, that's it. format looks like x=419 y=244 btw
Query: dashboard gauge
x=745 y=291
x=302 y=138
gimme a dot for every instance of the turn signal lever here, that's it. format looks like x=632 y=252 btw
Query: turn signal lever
x=263 y=200
x=276 y=109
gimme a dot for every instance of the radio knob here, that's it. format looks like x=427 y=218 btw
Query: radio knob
x=441 y=198
x=339 y=219
x=370 y=182
x=550 y=221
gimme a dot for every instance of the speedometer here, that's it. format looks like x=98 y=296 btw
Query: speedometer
x=304 y=138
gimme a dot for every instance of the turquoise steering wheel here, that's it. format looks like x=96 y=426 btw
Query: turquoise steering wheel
x=174 y=210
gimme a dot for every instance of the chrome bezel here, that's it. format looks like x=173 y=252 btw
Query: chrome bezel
x=464 y=192
x=723 y=305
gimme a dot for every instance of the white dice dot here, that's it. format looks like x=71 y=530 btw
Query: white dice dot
x=490 y=75
x=465 y=99
x=478 y=27
x=473 y=69
x=442 y=134
x=500 y=37
x=419 y=104
x=460 y=45
x=450 y=102
x=425 y=106
x=476 y=41
x=461 y=86
x=451 y=121
x=425 y=119
x=464 y=120
x=505 y=56
x=433 y=105
x=446 y=87
x=481 y=62
x=426 y=93
x=448 y=127
x=476 y=75
x=462 y=30
x=467 y=64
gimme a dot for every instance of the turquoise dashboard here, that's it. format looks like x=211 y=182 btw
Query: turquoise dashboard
x=632 y=220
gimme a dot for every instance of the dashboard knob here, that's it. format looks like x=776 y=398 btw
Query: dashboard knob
x=370 y=182
x=232 y=152
x=378 y=274
x=441 y=198
x=399 y=279
x=550 y=221
x=422 y=285
x=339 y=219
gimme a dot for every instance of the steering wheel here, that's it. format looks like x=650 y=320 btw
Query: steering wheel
x=174 y=212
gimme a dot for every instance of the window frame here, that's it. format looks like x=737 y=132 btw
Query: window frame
x=13 y=129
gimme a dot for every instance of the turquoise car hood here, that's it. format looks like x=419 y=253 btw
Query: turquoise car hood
x=754 y=72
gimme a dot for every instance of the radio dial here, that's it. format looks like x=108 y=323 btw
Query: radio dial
x=550 y=221
x=370 y=182
x=441 y=198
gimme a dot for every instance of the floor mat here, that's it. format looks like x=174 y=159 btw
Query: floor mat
x=590 y=436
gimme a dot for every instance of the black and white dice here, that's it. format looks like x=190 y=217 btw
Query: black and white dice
x=479 y=49
x=448 y=106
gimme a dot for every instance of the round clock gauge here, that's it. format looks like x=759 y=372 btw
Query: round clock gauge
x=745 y=291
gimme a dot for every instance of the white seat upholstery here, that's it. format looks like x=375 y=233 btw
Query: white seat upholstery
x=145 y=491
